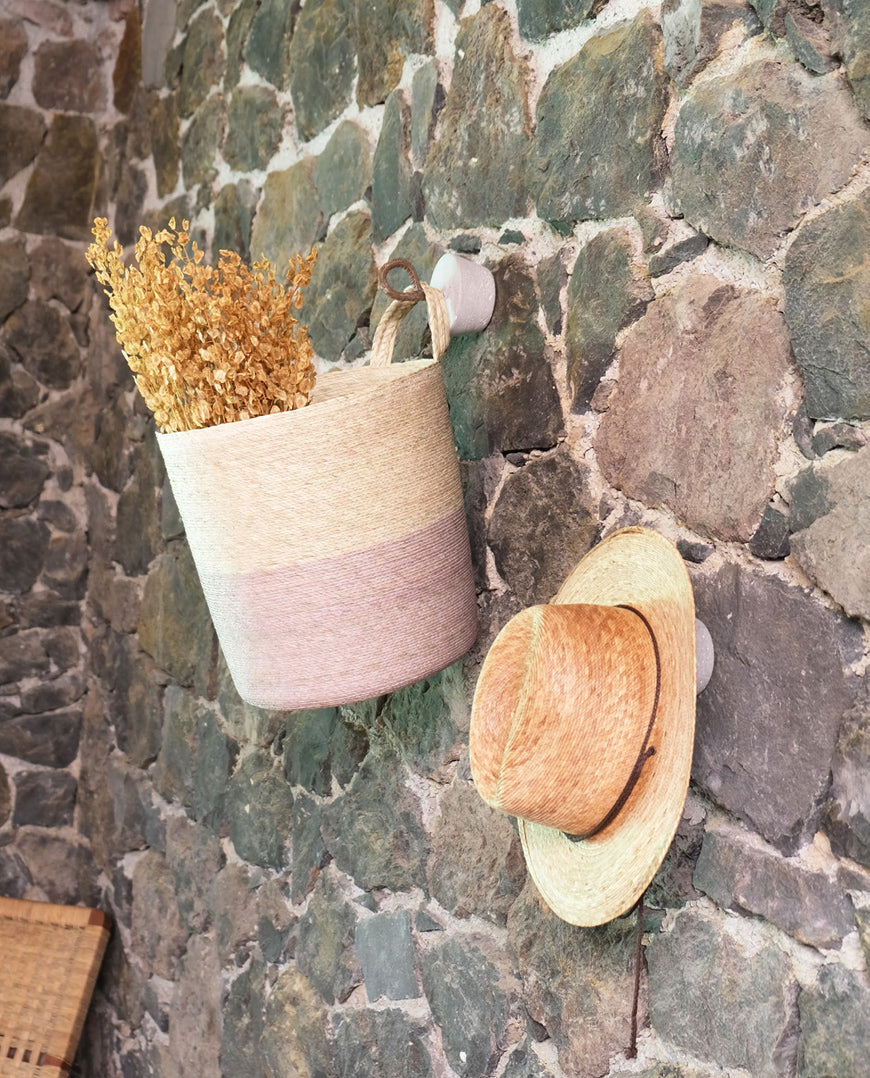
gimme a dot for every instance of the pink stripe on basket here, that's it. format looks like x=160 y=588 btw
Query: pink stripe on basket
x=348 y=628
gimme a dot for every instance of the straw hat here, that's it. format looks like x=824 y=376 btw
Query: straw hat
x=583 y=724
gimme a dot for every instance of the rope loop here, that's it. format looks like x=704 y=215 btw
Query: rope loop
x=403 y=302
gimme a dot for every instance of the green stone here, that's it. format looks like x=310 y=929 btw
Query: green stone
x=233 y=218
x=289 y=217
x=427 y=95
x=295 y=1041
x=422 y=719
x=540 y=18
x=386 y=32
x=343 y=171
x=268 y=46
x=322 y=64
x=324 y=946
x=391 y=171
x=475 y=174
x=200 y=144
x=213 y=761
x=173 y=773
x=238 y=28
x=602 y=160
x=203 y=61
x=256 y=811
x=693 y=29
x=254 y=125
x=397 y=1042
x=61 y=189
x=307 y=745
x=244 y=1022
x=308 y=850
x=834 y=1024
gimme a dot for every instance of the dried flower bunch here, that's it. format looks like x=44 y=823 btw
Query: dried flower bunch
x=206 y=344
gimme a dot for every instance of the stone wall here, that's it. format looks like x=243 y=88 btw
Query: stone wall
x=676 y=206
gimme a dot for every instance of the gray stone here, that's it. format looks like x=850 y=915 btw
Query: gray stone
x=158 y=936
x=751 y=154
x=13 y=49
x=704 y=984
x=194 y=857
x=137 y=527
x=19 y=391
x=500 y=384
x=195 y=1027
x=606 y=292
x=386 y=33
x=157 y=33
x=61 y=189
x=244 y=1022
x=476 y=170
x=254 y=126
x=22 y=131
x=23 y=470
x=422 y=719
x=374 y=830
x=810 y=41
x=392 y=195
x=289 y=217
x=130 y=197
x=523 y=1063
x=847 y=821
x=199 y=145
x=834 y=1024
x=165 y=142
x=312 y=740
x=52 y=695
x=838 y=436
x=386 y=954
x=825 y=278
x=309 y=852
x=469 y=1004
x=765 y=735
x=5 y=797
x=127 y=72
x=605 y=159
x=427 y=100
x=742 y=876
x=233 y=899
x=48 y=740
x=267 y=49
x=324 y=947
x=693 y=30
x=539 y=18
x=342 y=286
x=67 y=76
x=697 y=428
x=577 y=982
x=256 y=810
x=43 y=340
x=15 y=879
x=476 y=866
x=832 y=548
x=233 y=217
x=771 y=540
x=58 y=271
x=676 y=254
x=203 y=61
x=550 y=504
x=295 y=1040
x=853 y=41
x=321 y=66
x=63 y=868
x=238 y=29
x=14 y=275
x=343 y=171
x=390 y=1037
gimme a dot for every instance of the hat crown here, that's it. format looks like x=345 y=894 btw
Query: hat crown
x=561 y=713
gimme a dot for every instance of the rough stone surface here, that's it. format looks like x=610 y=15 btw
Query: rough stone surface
x=386 y=32
x=388 y=1038
x=826 y=278
x=5 y=797
x=200 y=142
x=51 y=741
x=386 y=954
x=67 y=76
x=324 y=951
x=61 y=867
x=243 y=1023
x=233 y=218
x=165 y=142
x=23 y=470
x=342 y=172
x=268 y=40
x=413 y=336
x=44 y=342
x=834 y=1024
x=289 y=217
x=696 y=418
x=693 y=31
x=158 y=935
x=322 y=64
x=58 y=271
x=847 y=819
x=427 y=100
x=854 y=39
x=475 y=170
x=257 y=810
x=13 y=49
x=764 y=129
x=602 y=160
x=294 y=1041
x=203 y=61
x=391 y=171
x=703 y=986
x=765 y=736
x=254 y=125
x=44 y=799
x=14 y=275
x=21 y=133
x=194 y=1032
x=539 y=18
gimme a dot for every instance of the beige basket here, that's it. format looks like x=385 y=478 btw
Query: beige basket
x=331 y=541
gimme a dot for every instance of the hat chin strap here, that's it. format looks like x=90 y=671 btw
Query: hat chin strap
x=646 y=750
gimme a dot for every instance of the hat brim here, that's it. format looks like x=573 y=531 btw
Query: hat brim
x=589 y=882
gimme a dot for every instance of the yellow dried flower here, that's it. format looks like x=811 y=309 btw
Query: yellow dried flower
x=206 y=344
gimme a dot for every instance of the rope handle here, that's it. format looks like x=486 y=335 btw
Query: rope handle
x=403 y=302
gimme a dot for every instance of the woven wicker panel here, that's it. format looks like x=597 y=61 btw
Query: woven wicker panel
x=49 y=957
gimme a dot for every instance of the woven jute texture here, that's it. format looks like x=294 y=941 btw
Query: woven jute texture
x=570 y=697
x=49 y=959
x=331 y=541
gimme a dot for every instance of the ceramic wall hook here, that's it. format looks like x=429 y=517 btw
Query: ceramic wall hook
x=469 y=290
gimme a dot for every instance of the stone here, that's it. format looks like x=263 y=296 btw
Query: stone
x=130 y=197
x=67 y=76
x=52 y=695
x=472 y=1034
x=203 y=61
x=321 y=64
x=697 y=428
x=831 y=549
x=539 y=18
x=232 y=898
x=257 y=810
x=22 y=655
x=195 y=1025
x=746 y=877
x=397 y=1042
x=500 y=384
x=22 y=131
x=137 y=527
x=374 y=831
x=475 y=174
x=199 y=144
x=194 y=857
x=576 y=172
x=750 y=154
x=324 y=947
x=15 y=879
x=174 y=623
x=42 y=339
x=705 y=983
x=523 y=1063
x=386 y=954
x=58 y=271
x=233 y=217
x=289 y=217
x=342 y=287
x=343 y=171
x=392 y=195
x=476 y=866
x=165 y=142
x=267 y=49
x=386 y=33
x=853 y=40
x=549 y=502
x=62 y=868
x=157 y=32
x=606 y=292
x=127 y=72
x=19 y=391
x=254 y=125
x=847 y=817
x=810 y=42
x=677 y=254
x=427 y=100
x=158 y=936
x=312 y=740
x=423 y=719
x=244 y=1022
x=43 y=798
x=309 y=852
x=834 y=1024
x=48 y=740
x=771 y=539
x=838 y=436
x=826 y=277
x=413 y=336
x=693 y=33
x=577 y=982
x=23 y=470
x=765 y=736
x=60 y=192
x=238 y=29
x=295 y=1040
x=14 y=275
x=5 y=797
x=13 y=49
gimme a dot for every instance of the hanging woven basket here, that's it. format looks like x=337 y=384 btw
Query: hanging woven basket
x=331 y=541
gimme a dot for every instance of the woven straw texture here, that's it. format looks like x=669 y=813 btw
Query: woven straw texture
x=50 y=959
x=331 y=541
x=561 y=710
